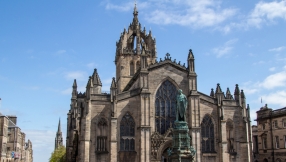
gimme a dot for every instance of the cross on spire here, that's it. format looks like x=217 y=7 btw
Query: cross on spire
x=168 y=56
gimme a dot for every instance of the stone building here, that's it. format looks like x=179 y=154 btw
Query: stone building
x=269 y=136
x=134 y=122
x=59 y=137
x=28 y=152
x=13 y=146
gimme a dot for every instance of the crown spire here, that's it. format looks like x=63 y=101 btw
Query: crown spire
x=135 y=14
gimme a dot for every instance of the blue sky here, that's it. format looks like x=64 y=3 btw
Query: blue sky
x=44 y=45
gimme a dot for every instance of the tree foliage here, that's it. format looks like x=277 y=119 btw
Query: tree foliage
x=59 y=155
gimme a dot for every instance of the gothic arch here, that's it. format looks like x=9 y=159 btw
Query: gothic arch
x=208 y=134
x=162 y=81
x=163 y=147
x=165 y=106
x=127 y=133
x=211 y=116
x=102 y=126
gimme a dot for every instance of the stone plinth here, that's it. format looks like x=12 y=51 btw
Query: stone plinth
x=181 y=150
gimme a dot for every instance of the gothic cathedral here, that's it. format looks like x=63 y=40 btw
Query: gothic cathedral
x=134 y=122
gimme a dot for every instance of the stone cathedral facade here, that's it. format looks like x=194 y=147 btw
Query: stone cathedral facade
x=134 y=122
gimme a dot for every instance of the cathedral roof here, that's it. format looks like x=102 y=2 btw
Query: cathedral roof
x=168 y=60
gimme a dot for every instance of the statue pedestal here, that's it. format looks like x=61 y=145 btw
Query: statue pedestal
x=181 y=150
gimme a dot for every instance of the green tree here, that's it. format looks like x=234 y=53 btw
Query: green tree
x=59 y=155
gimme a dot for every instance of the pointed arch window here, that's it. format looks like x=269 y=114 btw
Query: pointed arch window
x=131 y=68
x=137 y=65
x=127 y=133
x=229 y=136
x=102 y=136
x=207 y=135
x=165 y=106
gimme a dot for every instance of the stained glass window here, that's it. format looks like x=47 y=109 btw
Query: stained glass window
x=207 y=134
x=127 y=133
x=165 y=106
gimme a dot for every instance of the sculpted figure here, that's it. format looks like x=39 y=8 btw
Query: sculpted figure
x=182 y=103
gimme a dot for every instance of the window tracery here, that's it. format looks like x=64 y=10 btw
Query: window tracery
x=165 y=106
x=207 y=134
x=127 y=133
x=102 y=136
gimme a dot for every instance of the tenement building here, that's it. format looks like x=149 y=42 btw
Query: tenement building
x=12 y=141
x=134 y=122
x=269 y=136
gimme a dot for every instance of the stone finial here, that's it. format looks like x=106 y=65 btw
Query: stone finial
x=167 y=56
x=248 y=111
x=212 y=92
x=228 y=94
x=96 y=78
x=242 y=94
x=218 y=89
x=236 y=91
x=191 y=55
x=113 y=83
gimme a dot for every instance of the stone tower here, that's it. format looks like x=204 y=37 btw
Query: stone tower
x=129 y=49
x=59 y=137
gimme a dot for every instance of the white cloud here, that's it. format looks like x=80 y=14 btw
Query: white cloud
x=274 y=80
x=42 y=141
x=249 y=91
x=272 y=69
x=78 y=75
x=125 y=6
x=259 y=62
x=203 y=13
x=91 y=65
x=278 y=98
x=225 y=49
x=249 y=88
x=198 y=14
x=61 y=51
x=31 y=87
x=265 y=12
x=278 y=49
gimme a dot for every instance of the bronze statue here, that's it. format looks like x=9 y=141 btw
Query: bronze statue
x=182 y=103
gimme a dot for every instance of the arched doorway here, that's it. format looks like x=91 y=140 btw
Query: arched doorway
x=165 y=157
